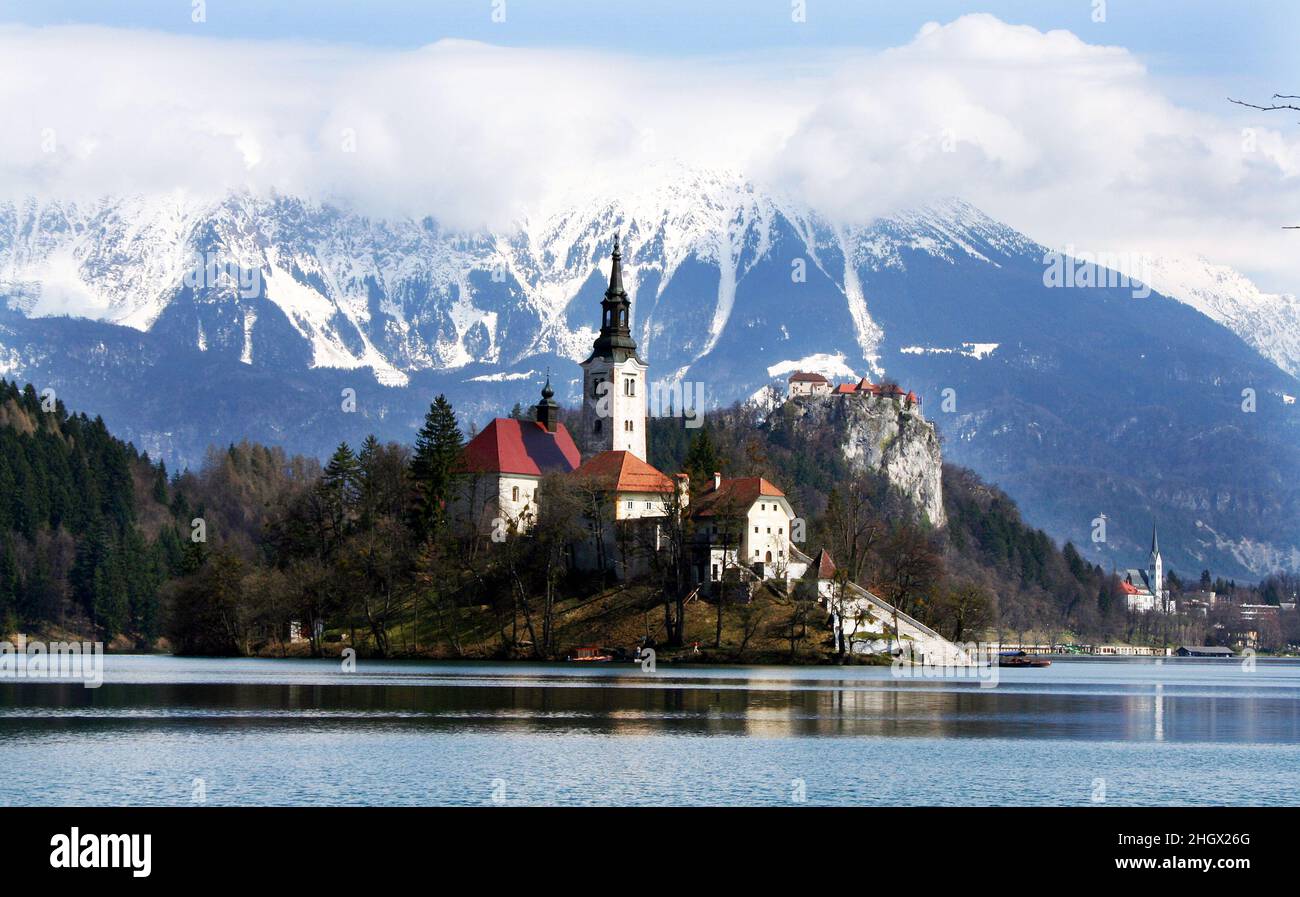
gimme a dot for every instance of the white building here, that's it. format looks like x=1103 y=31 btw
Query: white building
x=742 y=521
x=614 y=376
x=803 y=383
x=1144 y=590
x=505 y=463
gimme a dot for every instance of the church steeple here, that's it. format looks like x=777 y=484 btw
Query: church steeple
x=547 y=411
x=615 y=341
x=1157 y=570
x=614 y=376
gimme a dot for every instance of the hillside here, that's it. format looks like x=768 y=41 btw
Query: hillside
x=99 y=540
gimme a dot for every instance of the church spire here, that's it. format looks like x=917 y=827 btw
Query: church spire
x=616 y=290
x=1155 y=542
x=615 y=341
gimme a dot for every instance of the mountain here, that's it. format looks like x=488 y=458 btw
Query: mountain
x=1268 y=321
x=189 y=322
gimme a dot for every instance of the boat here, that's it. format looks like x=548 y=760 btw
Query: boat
x=591 y=654
x=1021 y=659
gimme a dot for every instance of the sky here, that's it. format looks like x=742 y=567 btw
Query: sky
x=1099 y=125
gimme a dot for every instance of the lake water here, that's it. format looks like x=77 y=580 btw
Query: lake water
x=164 y=730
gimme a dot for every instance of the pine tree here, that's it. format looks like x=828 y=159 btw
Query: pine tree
x=9 y=587
x=701 y=461
x=160 y=484
x=340 y=487
x=367 y=464
x=433 y=467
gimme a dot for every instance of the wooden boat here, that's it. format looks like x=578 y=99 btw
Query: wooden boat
x=1021 y=659
x=590 y=654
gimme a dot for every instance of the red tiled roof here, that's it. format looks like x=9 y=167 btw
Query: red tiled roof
x=846 y=388
x=805 y=377
x=822 y=565
x=1129 y=589
x=736 y=494
x=520 y=447
x=624 y=472
x=911 y=397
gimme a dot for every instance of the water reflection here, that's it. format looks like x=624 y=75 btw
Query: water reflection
x=1187 y=704
x=424 y=733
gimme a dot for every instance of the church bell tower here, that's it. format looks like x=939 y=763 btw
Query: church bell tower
x=614 y=376
x=1157 y=571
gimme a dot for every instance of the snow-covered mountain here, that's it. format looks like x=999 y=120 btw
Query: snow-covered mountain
x=403 y=296
x=1268 y=321
x=193 y=322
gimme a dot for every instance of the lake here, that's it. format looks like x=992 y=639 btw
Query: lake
x=166 y=730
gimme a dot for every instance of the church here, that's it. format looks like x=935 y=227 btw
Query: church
x=1144 y=590
x=739 y=523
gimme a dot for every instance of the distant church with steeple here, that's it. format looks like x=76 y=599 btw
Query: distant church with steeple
x=1144 y=590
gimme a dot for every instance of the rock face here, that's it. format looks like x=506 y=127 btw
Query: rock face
x=887 y=436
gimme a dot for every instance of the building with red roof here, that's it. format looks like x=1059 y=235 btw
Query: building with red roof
x=636 y=488
x=505 y=463
x=805 y=383
x=741 y=521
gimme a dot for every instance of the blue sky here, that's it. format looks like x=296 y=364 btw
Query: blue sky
x=1243 y=43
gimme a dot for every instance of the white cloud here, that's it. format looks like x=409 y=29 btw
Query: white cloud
x=1069 y=141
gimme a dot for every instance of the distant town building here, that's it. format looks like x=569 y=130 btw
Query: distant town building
x=1144 y=590
x=1204 y=651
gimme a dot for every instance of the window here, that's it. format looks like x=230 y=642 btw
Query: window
x=756 y=529
x=514 y=493
x=769 y=530
x=627 y=425
x=649 y=505
x=595 y=428
x=780 y=530
x=629 y=504
x=629 y=387
x=762 y=507
x=596 y=384
x=755 y=552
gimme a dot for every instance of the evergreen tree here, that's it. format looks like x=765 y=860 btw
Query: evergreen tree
x=340 y=488
x=433 y=467
x=160 y=484
x=701 y=461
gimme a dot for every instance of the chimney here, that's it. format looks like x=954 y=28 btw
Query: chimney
x=717 y=480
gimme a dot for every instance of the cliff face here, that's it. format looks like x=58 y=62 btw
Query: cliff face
x=884 y=436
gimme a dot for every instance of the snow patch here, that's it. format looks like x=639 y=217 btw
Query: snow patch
x=830 y=366
x=502 y=377
x=970 y=350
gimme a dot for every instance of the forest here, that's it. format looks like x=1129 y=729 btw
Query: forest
x=258 y=552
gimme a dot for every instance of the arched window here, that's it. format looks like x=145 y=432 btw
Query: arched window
x=769 y=557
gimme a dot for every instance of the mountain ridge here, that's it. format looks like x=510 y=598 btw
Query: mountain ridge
x=1077 y=401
